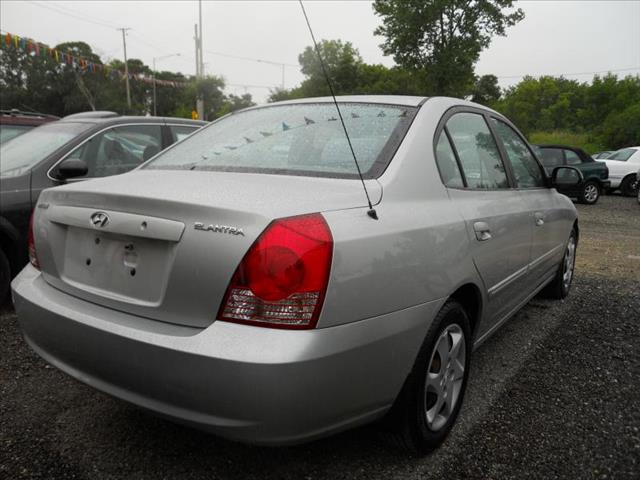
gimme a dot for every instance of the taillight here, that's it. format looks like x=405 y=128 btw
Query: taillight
x=282 y=280
x=33 y=256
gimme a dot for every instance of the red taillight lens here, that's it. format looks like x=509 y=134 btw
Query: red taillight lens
x=33 y=256
x=282 y=280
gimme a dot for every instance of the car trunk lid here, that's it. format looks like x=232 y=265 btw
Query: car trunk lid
x=164 y=244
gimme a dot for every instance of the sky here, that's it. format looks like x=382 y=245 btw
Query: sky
x=573 y=38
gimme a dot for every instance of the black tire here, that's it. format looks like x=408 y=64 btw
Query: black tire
x=628 y=185
x=590 y=193
x=558 y=288
x=5 y=277
x=408 y=416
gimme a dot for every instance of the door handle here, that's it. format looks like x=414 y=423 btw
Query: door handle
x=539 y=219
x=483 y=232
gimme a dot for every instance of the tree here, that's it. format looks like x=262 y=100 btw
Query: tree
x=342 y=62
x=443 y=38
x=486 y=90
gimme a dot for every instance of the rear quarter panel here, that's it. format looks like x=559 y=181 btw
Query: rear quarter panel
x=417 y=252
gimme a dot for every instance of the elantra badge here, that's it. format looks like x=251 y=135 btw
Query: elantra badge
x=99 y=219
x=218 y=229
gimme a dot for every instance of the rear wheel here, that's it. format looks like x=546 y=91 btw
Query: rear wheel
x=628 y=185
x=590 y=193
x=561 y=283
x=5 y=277
x=431 y=397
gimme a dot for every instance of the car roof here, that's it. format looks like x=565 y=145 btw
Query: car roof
x=406 y=100
x=119 y=119
x=555 y=145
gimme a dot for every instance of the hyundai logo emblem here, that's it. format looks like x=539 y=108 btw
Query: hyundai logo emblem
x=99 y=219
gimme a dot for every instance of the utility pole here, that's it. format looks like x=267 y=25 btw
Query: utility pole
x=126 y=67
x=200 y=68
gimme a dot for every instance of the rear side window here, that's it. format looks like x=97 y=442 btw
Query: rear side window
x=525 y=167
x=447 y=164
x=572 y=157
x=182 y=131
x=477 y=151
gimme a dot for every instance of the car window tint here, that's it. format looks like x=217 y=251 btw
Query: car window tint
x=447 y=164
x=477 y=151
x=572 y=157
x=119 y=149
x=182 y=131
x=551 y=157
x=525 y=167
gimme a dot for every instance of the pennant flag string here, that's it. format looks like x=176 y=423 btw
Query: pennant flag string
x=66 y=58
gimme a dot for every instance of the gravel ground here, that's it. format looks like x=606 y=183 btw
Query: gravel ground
x=554 y=394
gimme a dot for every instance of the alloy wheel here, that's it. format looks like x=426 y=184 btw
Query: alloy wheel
x=591 y=193
x=569 y=261
x=444 y=376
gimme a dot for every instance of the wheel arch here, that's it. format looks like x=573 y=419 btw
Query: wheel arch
x=469 y=296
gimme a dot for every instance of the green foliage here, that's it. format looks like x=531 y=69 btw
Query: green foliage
x=583 y=140
x=607 y=110
x=486 y=90
x=442 y=38
x=39 y=82
x=349 y=75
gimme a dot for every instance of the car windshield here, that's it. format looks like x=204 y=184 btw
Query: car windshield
x=622 y=155
x=7 y=132
x=299 y=139
x=25 y=151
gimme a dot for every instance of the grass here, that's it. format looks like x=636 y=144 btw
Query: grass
x=560 y=137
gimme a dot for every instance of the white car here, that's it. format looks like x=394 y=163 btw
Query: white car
x=623 y=165
x=638 y=185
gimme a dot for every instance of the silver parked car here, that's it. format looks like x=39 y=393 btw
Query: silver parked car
x=236 y=283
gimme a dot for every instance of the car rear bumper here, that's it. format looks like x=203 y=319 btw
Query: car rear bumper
x=247 y=383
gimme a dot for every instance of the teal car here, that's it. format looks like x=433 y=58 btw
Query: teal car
x=595 y=174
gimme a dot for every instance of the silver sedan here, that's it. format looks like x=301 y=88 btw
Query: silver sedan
x=240 y=282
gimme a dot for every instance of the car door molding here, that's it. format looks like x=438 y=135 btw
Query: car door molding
x=492 y=291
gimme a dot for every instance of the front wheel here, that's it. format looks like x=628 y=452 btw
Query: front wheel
x=628 y=186
x=590 y=193
x=431 y=397
x=561 y=283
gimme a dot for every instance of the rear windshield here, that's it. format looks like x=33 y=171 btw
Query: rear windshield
x=299 y=139
x=27 y=150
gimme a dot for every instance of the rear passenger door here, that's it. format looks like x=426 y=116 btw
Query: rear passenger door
x=496 y=217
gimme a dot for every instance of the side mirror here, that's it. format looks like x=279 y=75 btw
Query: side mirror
x=71 y=168
x=566 y=177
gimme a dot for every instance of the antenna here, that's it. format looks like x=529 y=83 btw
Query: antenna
x=371 y=212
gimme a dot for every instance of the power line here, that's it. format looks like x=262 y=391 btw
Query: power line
x=259 y=60
x=612 y=70
x=62 y=12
